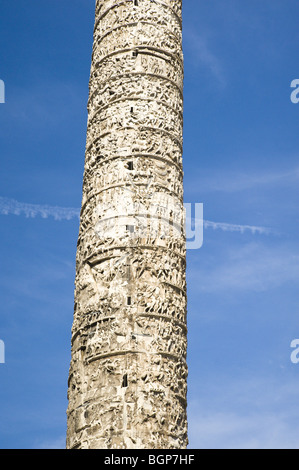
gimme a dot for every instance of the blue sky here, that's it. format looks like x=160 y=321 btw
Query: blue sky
x=241 y=144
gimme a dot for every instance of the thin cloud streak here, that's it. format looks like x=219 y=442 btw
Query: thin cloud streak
x=233 y=430
x=251 y=267
x=245 y=413
x=225 y=227
x=230 y=182
x=11 y=206
x=203 y=56
x=58 y=443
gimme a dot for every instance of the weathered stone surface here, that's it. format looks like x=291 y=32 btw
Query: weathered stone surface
x=128 y=372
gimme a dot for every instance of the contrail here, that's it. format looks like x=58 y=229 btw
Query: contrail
x=11 y=206
x=236 y=228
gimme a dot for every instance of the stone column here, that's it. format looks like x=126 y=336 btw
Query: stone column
x=128 y=372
